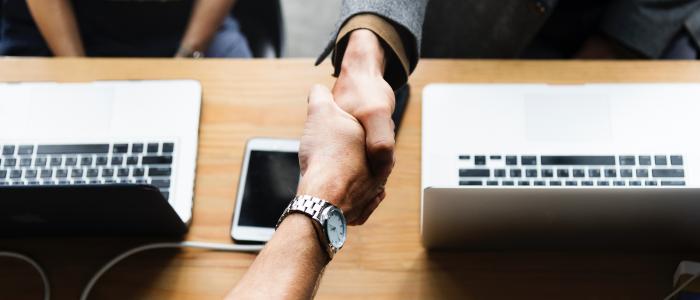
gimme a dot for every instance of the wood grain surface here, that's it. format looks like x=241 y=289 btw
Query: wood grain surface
x=384 y=258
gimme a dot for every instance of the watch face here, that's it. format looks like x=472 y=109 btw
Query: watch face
x=335 y=228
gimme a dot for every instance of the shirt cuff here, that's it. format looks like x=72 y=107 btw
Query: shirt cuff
x=397 y=66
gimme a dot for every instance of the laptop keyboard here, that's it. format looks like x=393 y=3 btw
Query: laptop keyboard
x=78 y=164
x=586 y=171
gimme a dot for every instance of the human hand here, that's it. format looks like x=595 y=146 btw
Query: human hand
x=362 y=91
x=599 y=47
x=333 y=160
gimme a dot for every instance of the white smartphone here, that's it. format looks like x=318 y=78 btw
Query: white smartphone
x=269 y=178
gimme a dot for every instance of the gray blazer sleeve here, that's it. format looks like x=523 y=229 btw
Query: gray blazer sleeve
x=407 y=15
x=647 y=26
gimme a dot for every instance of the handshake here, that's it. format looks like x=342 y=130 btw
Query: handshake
x=347 y=148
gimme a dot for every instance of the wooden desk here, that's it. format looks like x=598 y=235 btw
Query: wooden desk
x=384 y=258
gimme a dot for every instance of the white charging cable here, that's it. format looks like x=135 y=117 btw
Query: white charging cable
x=37 y=267
x=86 y=291
x=192 y=244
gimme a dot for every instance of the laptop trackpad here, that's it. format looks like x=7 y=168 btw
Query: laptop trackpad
x=566 y=117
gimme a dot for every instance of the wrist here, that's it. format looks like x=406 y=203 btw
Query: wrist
x=363 y=54
x=329 y=188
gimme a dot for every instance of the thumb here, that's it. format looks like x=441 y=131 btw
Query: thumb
x=379 y=130
x=320 y=99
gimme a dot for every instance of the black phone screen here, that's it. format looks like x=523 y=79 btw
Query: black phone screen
x=270 y=185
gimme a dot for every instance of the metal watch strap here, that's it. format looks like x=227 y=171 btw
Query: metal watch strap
x=309 y=205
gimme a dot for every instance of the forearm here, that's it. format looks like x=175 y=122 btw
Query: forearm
x=58 y=26
x=289 y=266
x=207 y=17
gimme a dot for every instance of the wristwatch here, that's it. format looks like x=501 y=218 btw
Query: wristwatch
x=328 y=220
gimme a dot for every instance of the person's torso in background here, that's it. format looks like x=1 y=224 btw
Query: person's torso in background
x=507 y=28
x=107 y=27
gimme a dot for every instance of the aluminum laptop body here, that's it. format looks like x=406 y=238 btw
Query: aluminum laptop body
x=100 y=158
x=536 y=166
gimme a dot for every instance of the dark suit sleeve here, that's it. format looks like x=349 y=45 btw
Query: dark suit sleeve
x=398 y=24
x=647 y=26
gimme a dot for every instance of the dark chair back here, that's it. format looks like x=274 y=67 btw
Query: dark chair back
x=262 y=24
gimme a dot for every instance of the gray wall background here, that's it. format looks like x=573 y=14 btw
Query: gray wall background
x=308 y=25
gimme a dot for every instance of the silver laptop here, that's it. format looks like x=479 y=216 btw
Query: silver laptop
x=536 y=166
x=63 y=143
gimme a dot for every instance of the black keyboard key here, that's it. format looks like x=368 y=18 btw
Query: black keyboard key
x=61 y=173
x=152 y=148
x=157 y=160
x=644 y=173
x=117 y=160
x=626 y=173
x=627 y=161
x=578 y=160
x=40 y=162
x=578 y=173
x=137 y=172
x=140 y=180
x=25 y=150
x=165 y=183
x=474 y=173
x=76 y=173
x=79 y=181
x=107 y=172
x=555 y=183
x=587 y=183
x=603 y=183
x=109 y=181
x=461 y=182
x=531 y=173
x=645 y=160
x=676 y=160
x=101 y=161
x=507 y=183
x=137 y=148
x=479 y=160
x=563 y=173
x=25 y=162
x=33 y=182
x=86 y=161
x=499 y=173
x=594 y=173
x=528 y=160
x=10 y=162
x=169 y=147
x=635 y=183
x=667 y=173
x=493 y=157
x=571 y=183
x=651 y=183
x=46 y=173
x=56 y=161
x=523 y=183
x=71 y=161
x=30 y=174
x=660 y=160
x=73 y=149
x=3 y=174
x=619 y=183
x=610 y=173
x=123 y=172
x=8 y=150
x=159 y=171
x=92 y=173
x=132 y=160
x=94 y=181
x=516 y=173
x=673 y=183
x=492 y=182
x=547 y=173
x=511 y=160
x=464 y=157
x=120 y=148
x=14 y=174
x=539 y=182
